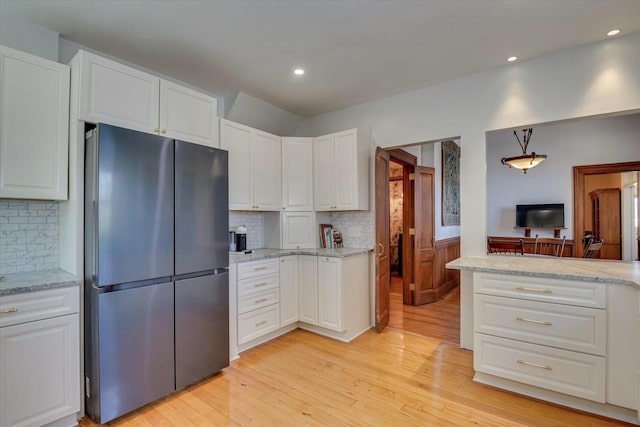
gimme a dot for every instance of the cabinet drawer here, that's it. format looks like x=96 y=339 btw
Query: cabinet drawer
x=562 y=326
x=571 y=292
x=30 y=306
x=257 y=323
x=258 y=284
x=248 y=270
x=568 y=372
x=259 y=300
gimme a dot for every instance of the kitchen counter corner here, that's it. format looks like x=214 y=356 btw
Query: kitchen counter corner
x=17 y=283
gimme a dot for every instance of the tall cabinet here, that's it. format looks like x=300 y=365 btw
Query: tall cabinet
x=605 y=203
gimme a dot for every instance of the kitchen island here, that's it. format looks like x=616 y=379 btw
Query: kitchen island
x=562 y=330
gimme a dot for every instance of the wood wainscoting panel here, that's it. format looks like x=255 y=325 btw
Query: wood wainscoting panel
x=445 y=279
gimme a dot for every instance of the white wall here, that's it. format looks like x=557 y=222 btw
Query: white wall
x=256 y=113
x=28 y=37
x=600 y=78
x=583 y=142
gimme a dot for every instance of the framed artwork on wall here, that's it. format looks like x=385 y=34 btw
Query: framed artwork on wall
x=450 y=183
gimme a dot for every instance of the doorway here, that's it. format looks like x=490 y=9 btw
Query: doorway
x=606 y=207
x=416 y=303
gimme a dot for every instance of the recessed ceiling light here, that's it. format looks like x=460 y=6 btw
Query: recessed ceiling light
x=298 y=71
x=512 y=58
x=613 y=33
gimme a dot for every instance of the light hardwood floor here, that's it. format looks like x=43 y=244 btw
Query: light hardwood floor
x=440 y=319
x=387 y=379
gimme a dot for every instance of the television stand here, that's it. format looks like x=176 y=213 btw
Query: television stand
x=556 y=231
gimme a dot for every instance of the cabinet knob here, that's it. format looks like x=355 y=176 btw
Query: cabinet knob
x=164 y=131
x=156 y=129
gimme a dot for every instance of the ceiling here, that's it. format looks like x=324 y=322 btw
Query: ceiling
x=352 y=51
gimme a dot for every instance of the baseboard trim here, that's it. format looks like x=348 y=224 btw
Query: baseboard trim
x=606 y=410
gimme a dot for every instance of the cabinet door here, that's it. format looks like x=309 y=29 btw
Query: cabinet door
x=323 y=173
x=288 y=290
x=118 y=95
x=188 y=115
x=330 y=293
x=34 y=126
x=266 y=160
x=236 y=139
x=308 y=289
x=297 y=174
x=345 y=170
x=39 y=371
x=298 y=230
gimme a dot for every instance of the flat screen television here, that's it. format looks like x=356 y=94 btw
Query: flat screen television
x=540 y=216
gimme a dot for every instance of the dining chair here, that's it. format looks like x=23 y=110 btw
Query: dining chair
x=592 y=249
x=506 y=248
x=550 y=247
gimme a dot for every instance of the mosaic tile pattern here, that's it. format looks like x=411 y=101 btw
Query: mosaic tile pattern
x=29 y=236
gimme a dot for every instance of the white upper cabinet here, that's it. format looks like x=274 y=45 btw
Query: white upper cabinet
x=113 y=93
x=298 y=230
x=341 y=171
x=254 y=167
x=34 y=126
x=188 y=115
x=297 y=174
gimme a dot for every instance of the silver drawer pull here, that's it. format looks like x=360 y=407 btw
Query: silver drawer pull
x=261 y=323
x=260 y=268
x=258 y=301
x=11 y=310
x=542 y=322
x=535 y=365
x=257 y=285
x=543 y=291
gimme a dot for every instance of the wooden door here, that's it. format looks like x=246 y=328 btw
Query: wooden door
x=297 y=174
x=308 y=289
x=288 y=290
x=424 y=239
x=383 y=261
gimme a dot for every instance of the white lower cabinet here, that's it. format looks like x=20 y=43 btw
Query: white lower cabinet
x=288 y=290
x=337 y=304
x=258 y=301
x=542 y=332
x=326 y=295
x=308 y=289
x=330 y=293
x=578 y=374
x=39 y=361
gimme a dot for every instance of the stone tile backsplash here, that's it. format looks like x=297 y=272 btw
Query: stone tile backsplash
x=28 y=235
x=357 y=228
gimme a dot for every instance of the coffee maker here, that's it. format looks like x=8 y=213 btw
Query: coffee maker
x=241 y=238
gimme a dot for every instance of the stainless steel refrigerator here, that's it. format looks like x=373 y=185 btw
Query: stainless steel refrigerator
x=156 y=268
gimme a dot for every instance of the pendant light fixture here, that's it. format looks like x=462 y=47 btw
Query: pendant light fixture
x=525 y=161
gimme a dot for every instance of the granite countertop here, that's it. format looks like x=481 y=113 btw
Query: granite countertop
x=17 y=283
x=592 y=270
x=260 y=254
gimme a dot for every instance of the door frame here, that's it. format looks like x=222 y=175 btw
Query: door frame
x=408 y=162
x=579 y=173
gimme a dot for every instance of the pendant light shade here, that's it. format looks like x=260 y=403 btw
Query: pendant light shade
x=525 y=161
